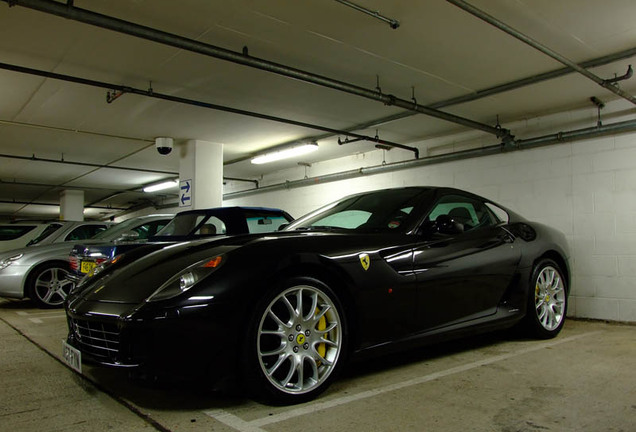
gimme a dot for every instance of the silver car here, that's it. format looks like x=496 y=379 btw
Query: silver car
x=39 y=272
x=21 y=234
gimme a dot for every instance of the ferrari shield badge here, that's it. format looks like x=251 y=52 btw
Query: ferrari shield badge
x=365 y=261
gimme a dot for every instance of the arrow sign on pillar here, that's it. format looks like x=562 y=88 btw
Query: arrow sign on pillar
x=185 y=193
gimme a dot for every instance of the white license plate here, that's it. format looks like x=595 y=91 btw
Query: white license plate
x=72 y=356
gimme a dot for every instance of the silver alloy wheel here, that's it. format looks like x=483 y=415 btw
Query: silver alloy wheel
x=299 y=339
x=549 y=298
x=51 y=286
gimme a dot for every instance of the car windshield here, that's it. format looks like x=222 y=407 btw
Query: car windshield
x=115 y=231
x=388 y=210
x=44 y=234
x=183 y=224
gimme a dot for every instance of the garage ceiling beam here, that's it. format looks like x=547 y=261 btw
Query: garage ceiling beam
x=115 y=24
x=607 y=84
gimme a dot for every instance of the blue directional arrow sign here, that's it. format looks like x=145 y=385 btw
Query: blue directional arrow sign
x=185 y=193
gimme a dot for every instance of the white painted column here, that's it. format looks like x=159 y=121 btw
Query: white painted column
x=200 y=175
x=72 y=205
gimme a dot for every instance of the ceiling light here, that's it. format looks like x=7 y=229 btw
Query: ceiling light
x=285 y=153
x=161 y=186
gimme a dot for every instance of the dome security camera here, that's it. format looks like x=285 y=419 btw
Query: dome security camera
x=164 y=145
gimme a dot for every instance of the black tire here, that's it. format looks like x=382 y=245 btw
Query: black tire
x=296 y=343
x=547 y=300
x=47 y=285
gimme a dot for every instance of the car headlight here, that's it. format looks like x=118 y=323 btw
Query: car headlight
x=187 y=278
x=10 y=260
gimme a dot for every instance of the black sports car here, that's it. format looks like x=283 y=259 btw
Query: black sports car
x=368 y=274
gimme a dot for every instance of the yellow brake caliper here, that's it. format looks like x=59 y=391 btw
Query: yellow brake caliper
x=322 y=325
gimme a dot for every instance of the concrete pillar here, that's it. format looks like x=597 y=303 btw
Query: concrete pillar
x=200 y=175
x=72 y=205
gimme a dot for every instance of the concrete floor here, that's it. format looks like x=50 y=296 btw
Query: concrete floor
x=584 y=380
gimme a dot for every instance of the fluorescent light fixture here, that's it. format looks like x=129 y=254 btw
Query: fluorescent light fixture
x=161 y=186
x=285 y=153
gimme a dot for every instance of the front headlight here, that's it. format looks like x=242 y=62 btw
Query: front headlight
x=187 y=278
x=8 y=261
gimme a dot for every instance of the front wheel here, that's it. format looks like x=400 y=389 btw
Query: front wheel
x=297 y=342
x=48 y=286
x=547 y=300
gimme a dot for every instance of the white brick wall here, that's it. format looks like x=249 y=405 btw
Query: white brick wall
x=587 y=189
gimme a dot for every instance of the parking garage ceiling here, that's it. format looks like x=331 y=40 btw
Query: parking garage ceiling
x=81 y=103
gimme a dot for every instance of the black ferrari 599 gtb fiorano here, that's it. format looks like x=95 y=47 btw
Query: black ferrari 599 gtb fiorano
x=371 y=273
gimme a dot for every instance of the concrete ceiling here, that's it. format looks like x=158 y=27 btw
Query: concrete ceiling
x=439 y=50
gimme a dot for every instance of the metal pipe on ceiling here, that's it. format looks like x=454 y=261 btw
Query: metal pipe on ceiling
x=544 y=49
x=556 y=138
x=156 y=95
x=375 y=14
x=115 y=24
x=85 y=164
x=479 y=94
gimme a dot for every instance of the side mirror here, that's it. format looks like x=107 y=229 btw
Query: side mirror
x=128 y=236
x=445 y=224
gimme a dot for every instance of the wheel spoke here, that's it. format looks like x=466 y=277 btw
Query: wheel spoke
x=280 y=350
x=47 y=297
x=279 y=322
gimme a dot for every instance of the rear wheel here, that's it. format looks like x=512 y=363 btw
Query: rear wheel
x=547 y=300
x=48 y=286
x=296 y=343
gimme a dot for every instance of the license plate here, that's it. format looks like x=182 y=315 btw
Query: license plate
x=87 y=266
x=72 y=357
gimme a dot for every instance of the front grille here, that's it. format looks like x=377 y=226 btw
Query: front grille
x=97 y=339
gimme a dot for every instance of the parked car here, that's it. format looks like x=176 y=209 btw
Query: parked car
x=371 y=273
x=18 y=235
x=39 y=272
x=187 y=225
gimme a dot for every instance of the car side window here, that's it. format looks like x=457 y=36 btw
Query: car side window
x=469 y=212
x=149 y=229
x=85 y=231
x=212 y=226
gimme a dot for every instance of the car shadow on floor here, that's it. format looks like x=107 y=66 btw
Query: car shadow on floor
x=169 y=394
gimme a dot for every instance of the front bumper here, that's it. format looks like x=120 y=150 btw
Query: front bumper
x=186 y=341
x=12 y=280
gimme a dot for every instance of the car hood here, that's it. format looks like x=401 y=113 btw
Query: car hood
x=145 y=269
x=40 y=252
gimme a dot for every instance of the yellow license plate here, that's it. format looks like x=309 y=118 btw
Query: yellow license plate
x=87 y=266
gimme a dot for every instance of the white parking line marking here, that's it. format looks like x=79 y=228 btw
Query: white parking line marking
x=55 y=313
x=233 y=421
x=36 y=320
x=255 y=425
